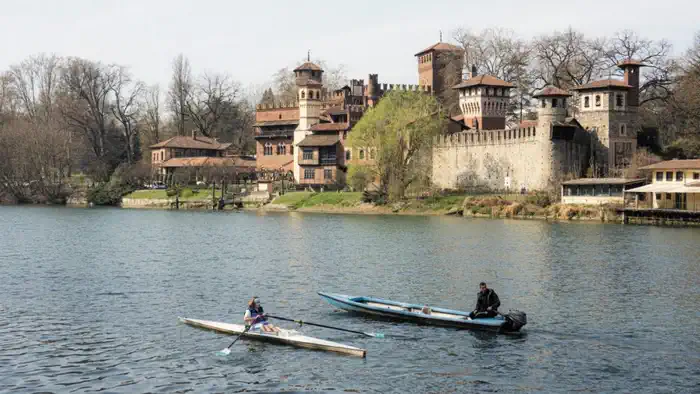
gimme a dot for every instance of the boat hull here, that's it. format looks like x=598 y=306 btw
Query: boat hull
x=285 y=337
x=412 y=312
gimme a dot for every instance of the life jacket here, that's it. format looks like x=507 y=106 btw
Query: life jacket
x=255 y=312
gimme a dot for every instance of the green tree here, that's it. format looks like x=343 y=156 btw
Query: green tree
x=400 y=129
x=359 y=176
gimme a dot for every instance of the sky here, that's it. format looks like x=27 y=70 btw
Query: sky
x=251 y=40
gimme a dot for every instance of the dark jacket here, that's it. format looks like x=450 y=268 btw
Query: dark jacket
x=488 y=299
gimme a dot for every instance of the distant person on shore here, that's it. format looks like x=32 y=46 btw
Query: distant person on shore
x=255 y=317
x=487 y=303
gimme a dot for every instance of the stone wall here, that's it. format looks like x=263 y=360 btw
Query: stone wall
x=497 y=159
x=510 y=159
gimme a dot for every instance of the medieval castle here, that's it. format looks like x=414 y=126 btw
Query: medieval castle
x=307 y=137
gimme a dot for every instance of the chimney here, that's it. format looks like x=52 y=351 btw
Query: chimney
x=631 y=69
x=194 y=134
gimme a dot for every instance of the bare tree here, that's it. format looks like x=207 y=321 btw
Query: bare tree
x=126 y=109
x=657 y=79
x=499 y=52
x=151 y=114
x=210 y=101
x=86 y=106
x=180 y=90
x=35 y=83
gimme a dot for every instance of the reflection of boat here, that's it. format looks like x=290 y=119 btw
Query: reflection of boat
x=284 y=337
x=511 y=322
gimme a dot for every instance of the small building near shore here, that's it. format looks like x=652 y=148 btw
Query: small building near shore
x=675 y=186
x=197 y=157
x=597 y=191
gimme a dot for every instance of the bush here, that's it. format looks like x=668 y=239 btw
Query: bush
x=359 y=177
x=540 y=199
x=107 y=194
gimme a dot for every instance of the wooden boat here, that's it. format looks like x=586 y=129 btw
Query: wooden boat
x=284 y=337
x=511 y=322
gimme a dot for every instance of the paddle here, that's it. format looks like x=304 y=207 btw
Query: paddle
x=227 y=351
x=301 y=323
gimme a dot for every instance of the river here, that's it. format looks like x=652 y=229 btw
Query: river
x=90 y=300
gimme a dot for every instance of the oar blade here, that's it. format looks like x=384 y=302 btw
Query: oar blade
x=224 y=352
x=376 y=334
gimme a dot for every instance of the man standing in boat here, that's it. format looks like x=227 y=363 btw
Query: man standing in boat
x=487 y=303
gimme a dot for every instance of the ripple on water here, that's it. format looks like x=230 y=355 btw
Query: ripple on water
x=90 y=300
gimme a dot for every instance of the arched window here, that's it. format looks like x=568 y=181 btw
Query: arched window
x=303 y=94
x=268 y=149
x=555 y=103
x=362 y=154
x=281 y=148
x=544 y=103
x=348 y=154
x=597 y=101
x=586 y=102
x=623 y=131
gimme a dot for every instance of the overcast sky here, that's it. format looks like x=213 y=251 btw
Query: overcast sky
x=250 y=40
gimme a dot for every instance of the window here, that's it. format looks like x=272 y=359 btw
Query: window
x=179 y=153
x=280 y=116
x=348 y=155
x=308 y=173
x=268 y=149
x=696 y=175
x=327 y=173
x=597 y=101
x=679 y=176
x=668 y=196
x=281 y=149
x=555 y=103
x=619 y=101
x=623 y=131
x=303 y=94
x=669 y=176
x=659 y=196
x=659 y=176
x=161 y=156
x=308 y=154
x=586 y=102
x=544 y=104
x=362 y=154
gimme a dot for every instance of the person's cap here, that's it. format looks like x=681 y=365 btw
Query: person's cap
x=256 y=300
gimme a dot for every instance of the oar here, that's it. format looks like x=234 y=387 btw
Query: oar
x=301 y=323
x=227 y=351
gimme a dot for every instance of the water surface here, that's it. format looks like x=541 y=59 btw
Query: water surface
x=90 y=299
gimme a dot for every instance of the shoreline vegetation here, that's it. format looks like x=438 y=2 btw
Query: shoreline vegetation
x=533 y=206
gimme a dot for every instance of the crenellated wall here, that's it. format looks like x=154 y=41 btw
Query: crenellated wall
x=513 y=159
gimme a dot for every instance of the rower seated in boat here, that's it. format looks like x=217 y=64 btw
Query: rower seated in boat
x=255 y=317
x=487 y=303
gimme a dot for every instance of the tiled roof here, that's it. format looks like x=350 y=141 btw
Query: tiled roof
x=198 y=142
x=552 y=91
x=440 y=46
x=483 y=80
x=691 y=164
x=292 y=122
x=320 y=140
x=178 y=162
x=336 y=111
x=604 y=84
x=458 y=118
x=330 y=127
x=602 y=181
x=310 y=82
x=308 y=66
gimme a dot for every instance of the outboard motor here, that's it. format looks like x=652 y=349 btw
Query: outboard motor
x=515 y=320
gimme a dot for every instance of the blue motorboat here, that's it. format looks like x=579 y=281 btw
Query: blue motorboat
x=423 y=314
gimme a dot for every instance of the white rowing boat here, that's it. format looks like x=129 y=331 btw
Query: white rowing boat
x=284 y=337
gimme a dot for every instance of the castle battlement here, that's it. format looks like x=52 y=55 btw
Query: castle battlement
x=487 y=137
x=276 y=106
x=388 y=87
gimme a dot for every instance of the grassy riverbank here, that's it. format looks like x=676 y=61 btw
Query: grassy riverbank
x=186 y=194
x=493 y=205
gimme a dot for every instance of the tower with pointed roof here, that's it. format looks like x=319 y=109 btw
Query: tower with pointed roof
x=309 y=80
x=608 y=109
x=483 y=100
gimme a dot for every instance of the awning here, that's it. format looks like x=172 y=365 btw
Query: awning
x=662 y=187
